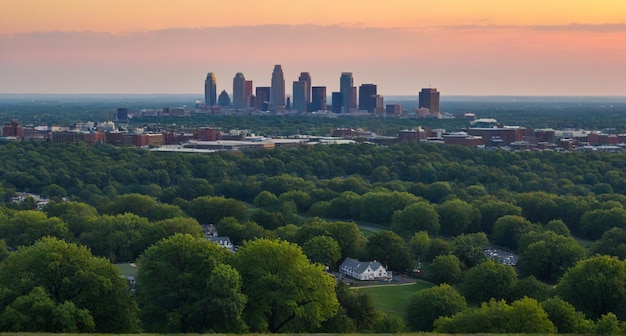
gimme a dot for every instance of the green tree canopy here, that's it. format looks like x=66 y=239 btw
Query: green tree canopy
x=457 y=217
x=185 y=286
x=565 y=317
x=323 y=250
x=419 y=216
x=596 y=286
x=548 y=255
x=429 y=304
x=285 y=291
x=390 y=250
x=487 y=281
x=64 y=288
x=509 y=229
x=445 y=269
x=522 y=316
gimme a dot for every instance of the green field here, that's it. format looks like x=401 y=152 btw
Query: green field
x=126 y=269
x=393 y=299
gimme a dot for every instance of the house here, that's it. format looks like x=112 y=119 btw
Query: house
x=222 y=241
x=364 y=270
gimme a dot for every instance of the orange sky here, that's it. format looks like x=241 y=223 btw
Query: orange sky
x=552 y=47
x=136 y=15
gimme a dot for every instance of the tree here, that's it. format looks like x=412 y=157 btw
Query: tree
x=436 y=248
x=390 y=250
x=210 y=210
x=419 y=244
x=25 y=227
x=185 y=286
x=491 y=210
x=558 y=226
x=607 y=324
x=388 y=324
x=548 y=255
x=429 y=304
x=470 y=248
x=116 y=237
x=612 y=243
x=488 y=280
x=530 y=287
x=420 y=216
x=358 y=306
x=78 y=216
x=509 y=229
x=596 y=222
x=285 y=291
x=445 y=269
x=522 y=316
x=457 y=217
x=62 y=289
x=323 y=250
x=595 y=286
x=565 y=317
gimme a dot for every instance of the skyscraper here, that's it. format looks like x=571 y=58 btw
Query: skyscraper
x=248 y=93
x=345 y=83
x=337 y=102
x=239 y=91
x=318 y=98
x=429 y=98
x=351 y=99
x=277 y=94
x=299 y=96
x=305 y=77
x=262 y=97
x=367 y=97
x=210 y=90
x=223 y=99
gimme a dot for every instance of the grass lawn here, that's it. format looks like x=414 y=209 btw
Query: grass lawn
x=126 y=269
x=392 y=299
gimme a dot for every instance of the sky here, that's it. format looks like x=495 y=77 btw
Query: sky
x=460 y=47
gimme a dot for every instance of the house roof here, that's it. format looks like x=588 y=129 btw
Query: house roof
x=219 y=240
x=359 y=266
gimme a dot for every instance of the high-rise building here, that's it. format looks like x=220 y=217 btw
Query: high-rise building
x=318 y=98
x=13 y=128
x=351 y=99
x=429 y=98
x=305 y=77
x=345 y=83
x=262 y=97
x=210 y=90
x=367 y=97
x=394 y=110
x=380 y=104
x=224 y=99
x=299 y=96
x=337 y=102
x=122 y=114
x=277 y=94
x=248 y=94
x=239 y=91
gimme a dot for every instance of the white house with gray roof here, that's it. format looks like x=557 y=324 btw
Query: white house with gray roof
x=364 y=270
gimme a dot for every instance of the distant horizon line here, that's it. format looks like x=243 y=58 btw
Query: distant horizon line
x=201 y=95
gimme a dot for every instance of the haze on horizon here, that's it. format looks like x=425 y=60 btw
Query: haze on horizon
x=480 y=47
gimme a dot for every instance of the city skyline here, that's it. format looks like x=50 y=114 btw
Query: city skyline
x=481 y=47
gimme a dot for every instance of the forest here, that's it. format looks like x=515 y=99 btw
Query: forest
x=295 y=212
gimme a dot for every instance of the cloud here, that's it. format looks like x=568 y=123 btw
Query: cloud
x=572 y=27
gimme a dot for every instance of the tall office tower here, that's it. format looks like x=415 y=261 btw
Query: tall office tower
x=352 y=99
x=318 y=98
x=223 y=99
x=367 y=97
x=277 y=94
x=305 y=77
x=210 y=90
x=380 y=104
x=429 y=98
x=122 y=114
x=299 y=96
x=337 y=102
x=262 y=97
x=239 y=91
x=248 y=93
x=345 y=83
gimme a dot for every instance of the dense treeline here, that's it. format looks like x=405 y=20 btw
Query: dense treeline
x=563 y=214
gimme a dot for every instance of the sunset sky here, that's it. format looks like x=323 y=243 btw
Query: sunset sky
x=462 y=47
